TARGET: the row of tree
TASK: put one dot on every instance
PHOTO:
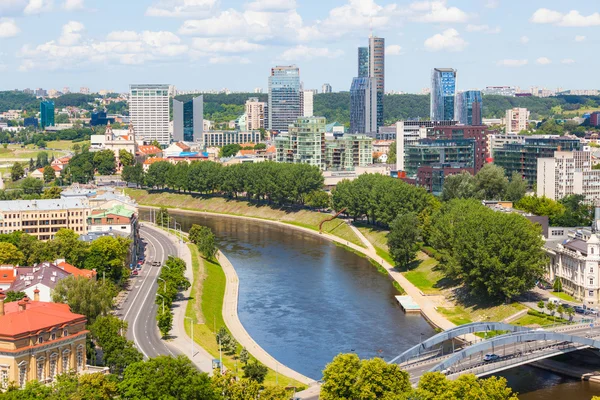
(490, 183)
(570, 211)
(171, 281)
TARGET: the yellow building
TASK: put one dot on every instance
(39, 340)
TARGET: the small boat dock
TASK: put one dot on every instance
(408, 305)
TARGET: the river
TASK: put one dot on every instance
(305, 300)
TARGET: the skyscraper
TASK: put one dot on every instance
(468, 107)
(255, 114)
(284, 97)
(47, 113)
(149, 111)
(307, 100)
(326, 88)
(377, 71)
(363, 62)
(443, 93)
(188, 120)
(363, 105)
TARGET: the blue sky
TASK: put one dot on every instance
(215, 44)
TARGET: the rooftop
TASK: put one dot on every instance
(37, 316)
(44, 205)
(45, 273)
(116, 210)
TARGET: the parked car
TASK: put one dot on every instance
(490, 357)
(135, 272)
(591, 311)
(579, 310)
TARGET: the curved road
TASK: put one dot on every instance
(139, 309)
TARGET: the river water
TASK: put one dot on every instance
(305, 300)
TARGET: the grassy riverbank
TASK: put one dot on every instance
(205, 308)
(303, 218)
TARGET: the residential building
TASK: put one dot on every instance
(363, 62)
(118, 218)
(443, 93)
(74, 271)
(256, 112)
(39, 92)
(522, 157)
(39, 341)
(377, 71)
(348, 152)
(47, 113)
(149, 111)
(363, 105)
(306, 100)
(595, 118)
(516, 120)
(407, 132)
(498, 140)
(304, 143)
(284, 97)
(469, 106)
(84, 90)
(39, 173)
(148, 162)
(335, 129)
(188, 119)
(43, 218)
(500, 91)
(223, 138)
(326, 88)
(8, 274)
(42, 277)
(149, 151)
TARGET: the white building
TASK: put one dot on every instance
(498, 140)
(306, 102)
(256, 112)
(223, 138)
(408, 132)
(516, 120)
(149, 111)
(326, 88)
(115, 141)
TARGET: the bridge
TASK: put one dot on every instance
(518, 346)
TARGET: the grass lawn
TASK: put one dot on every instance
(461, 315)
(426, 276)
(533, 321)
(63, 144)
(303, 218)
(564, 296)
(378, 238)
(205, 307)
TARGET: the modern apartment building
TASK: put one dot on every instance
(304, 143)
(595, 118)
(408, 132)
(377, 71)
(188, 120)
(348, 152)
(516, 120)
(223, 138)
(500, 91)
(498, 140)
(47, 113)
(443, 94)
(363, 62)
(469, 105)
(363, 105)
(256, 112)
(522, 157)
(43, 218)
(149, 112)
(307, 102)
(326, 88)
(284, 97)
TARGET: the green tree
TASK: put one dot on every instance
(133, 174)
(459, 186)
(490, 182)
(156, 144)
(109, 332)
(49, 174)
(85, 296)
(570, 313)
(560, 310)
(165, 321)
(32, 186)
(52, 193)
(542, 206)
(403, 239)
(557, 286)
(17, 171)
(14, 296)
(377, 379)
(577, 212)
(31, 164)
(107, 255)
(162, 217)
(392, 153)
(255, 371)
(517, 188)
(104, 162)
(244, 356)
(339, 377)
(68, 246)
(204, 239)
(551, 307)
(42, 159)
(318, 199)
(126, 158)
(9, 254)
(541, 305)
(229, 150)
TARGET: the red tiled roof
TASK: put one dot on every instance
(271, 149)
(149, 150)
(183, 146)
(37, 316)
(7, 274)
(247, 152)
(73, 270)
(154, 159)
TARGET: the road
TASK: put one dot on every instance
(139, 308)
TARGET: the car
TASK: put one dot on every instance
(135, 272)
(490, 357)
(591, 311)
(579, 310)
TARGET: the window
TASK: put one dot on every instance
(40, 340)
(41, 363)
(79, 359)
(4, 377)
(65, 333)
(53, 336)
(591, 281)
(53, 361)
(22, 374)
(65, 361)
(591, 293)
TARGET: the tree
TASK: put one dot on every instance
(542, 206)
(14, 296)
(31, 164)
(339, 377)
(377, 379)
(42, 159)
(557, 286)
(551, 307)
(541, 305)
(318, 199)
(32, 186)
(392, 153)
(109, 332)
(255, 371)
(560, 310)
(459, 186)
(68, 246)
(570, 312)
(85, 296)
(244, 356)
(490, 182)
(229, 150)
(133, 174)
(49, 174)
(126, 158)
(162, 217)
(165, 321)
(403, 239)
(107, 256)
(17, 172)
(517, 188)
(104, 162)
(156, 144)
(9, 254)
(577, 212)
(204, 239)
(166, 377)
(52, 193)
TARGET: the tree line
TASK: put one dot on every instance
(171, 281)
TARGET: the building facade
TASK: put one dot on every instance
(443, 94)
(284, 97)
(326, 88)
(348, 152)
(256, 112)
(304, 143)
(595, 118)
(377, 71)
(307, 103)
(363, 62)
(363, 105)
(223, 138)
(188, 120)
(516, 120)
(149, 112)
(47, 113)
(469, 105)
(408, 132)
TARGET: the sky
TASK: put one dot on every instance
(217, 44)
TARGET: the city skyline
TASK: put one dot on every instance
(233, 44)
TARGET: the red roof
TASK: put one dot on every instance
(7, 274)
(183, 146)
(36, 317)
(73, 270)
(154, 159)
(149, 150)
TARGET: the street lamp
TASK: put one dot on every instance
(192, 325)
(161, 279)
(180, 235)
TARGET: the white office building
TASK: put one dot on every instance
(307, 101)
(516, 120)
(223, 138)
(149, 112)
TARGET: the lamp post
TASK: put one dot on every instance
(180, 235)
(161, 279)
(192, 325)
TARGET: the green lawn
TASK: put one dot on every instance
(533, 321)
(378, 238)
(564, 296)
(478, 313)
(426, 276)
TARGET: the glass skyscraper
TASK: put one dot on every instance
(443, 93)
(377, 71)
(47, 113)
(363, 105)
(284, 97)
(363, 62)
(188, 120)
(468, 107)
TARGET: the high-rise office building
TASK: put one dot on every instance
(149, 112)
(326, 88)
(47, 113)
(363, 62)
(255, 114)
(377, 71)
(363, 105)
(443, 94)
(307, 103)
(284, 97)
(468, 107)
(188, 120)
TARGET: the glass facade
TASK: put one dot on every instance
(304, 143)
(188, 120)
(348, 152)
(429, 152)
(443, 93)
(377, 71)
(47, 113)
(284, 97)
(363, 62)
(468, 107)
(363, 105)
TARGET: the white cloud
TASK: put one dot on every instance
(492, 3)
(567, 61)
(437, 11)
(482, 28)
(579, 38)
(73, 5)
(181, 8)
(8, 28)
(449, 40)
(71, 33)
(543, 61)
(123, 36)
(226, 46)
(305, 53)
(393, 50)
(272, 5)
(524, 39)
(38, 6)
(228, 60)
(572, 18)
(512, 63)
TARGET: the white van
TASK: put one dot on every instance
(554, 300)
